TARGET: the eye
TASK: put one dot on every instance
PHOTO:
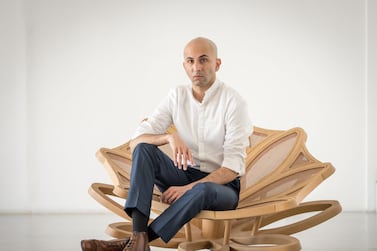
(189, 61)
(203, 60)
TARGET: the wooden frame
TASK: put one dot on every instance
(280, 173)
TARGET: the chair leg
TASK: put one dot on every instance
(256, 225)
(188, 233)
(228, 226)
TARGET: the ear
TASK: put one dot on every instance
(218, 63)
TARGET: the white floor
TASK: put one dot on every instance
(55, 232)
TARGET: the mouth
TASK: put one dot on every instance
(197, 76)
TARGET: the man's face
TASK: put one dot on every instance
(200, 63)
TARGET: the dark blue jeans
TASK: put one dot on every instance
(150, 166)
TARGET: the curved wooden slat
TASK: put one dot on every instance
(266, 242)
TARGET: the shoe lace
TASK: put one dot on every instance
(116, 245)
(130, 243)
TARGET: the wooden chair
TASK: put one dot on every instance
(280, 173)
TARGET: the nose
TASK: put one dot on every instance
(196, 67)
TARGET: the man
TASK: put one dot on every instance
(213, 127)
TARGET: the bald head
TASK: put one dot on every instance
(204, 43)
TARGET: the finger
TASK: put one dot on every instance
(165, 199)
(164, 196)
(174, 197)
(161, 199)
(175, 154)
(185, 162)
(191, 159)
(168, 195)
(179, 159)
(170, 200)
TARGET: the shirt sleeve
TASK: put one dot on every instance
(238, 129)
(161, 118)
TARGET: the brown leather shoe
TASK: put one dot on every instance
(99, 245)
(138, 242)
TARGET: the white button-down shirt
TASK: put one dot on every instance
(215, 130)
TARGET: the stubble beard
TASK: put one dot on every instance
(203, 82)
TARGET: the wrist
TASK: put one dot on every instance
(168, 138)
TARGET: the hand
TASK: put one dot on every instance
(173, 193)
(181, 153)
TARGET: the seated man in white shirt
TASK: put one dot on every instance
(209, 146)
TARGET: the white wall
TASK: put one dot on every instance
(372, 104)
(14, 181)
(96, 68)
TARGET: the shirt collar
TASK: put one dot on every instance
(212, 90)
